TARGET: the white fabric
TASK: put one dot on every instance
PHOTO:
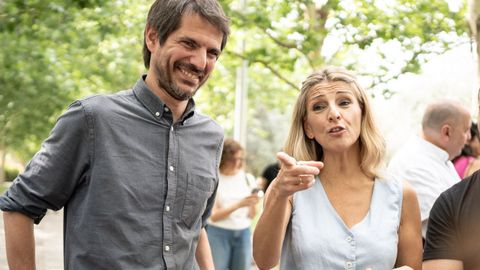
(427, 168)
(231, 189)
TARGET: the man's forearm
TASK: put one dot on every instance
(19, 241)
(203, 254)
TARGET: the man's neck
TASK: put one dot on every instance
(177, 107)
(435, 140)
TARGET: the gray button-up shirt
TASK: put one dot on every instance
(136, 187)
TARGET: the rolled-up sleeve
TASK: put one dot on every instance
(54, 172)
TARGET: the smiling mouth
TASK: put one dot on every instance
(191, 76)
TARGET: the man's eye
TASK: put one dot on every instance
(214, 54)
(188, 44)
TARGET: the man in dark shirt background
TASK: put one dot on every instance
(453, 234)
(135, 171)
(269, 174)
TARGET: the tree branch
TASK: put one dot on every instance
(266, 65)
(381, 79)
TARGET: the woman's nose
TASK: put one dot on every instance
(334, 115)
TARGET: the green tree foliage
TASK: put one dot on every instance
(285, 40)
(52, 52)
(285, 36)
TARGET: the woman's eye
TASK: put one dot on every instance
(318, 107)
(345, 102)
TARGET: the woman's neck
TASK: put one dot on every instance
(344, 166)
(230, 172)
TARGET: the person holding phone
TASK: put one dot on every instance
(330, 206)
(234, 208)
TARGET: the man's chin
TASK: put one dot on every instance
(185, 94)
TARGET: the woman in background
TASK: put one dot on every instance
(229, 225)
(467, 163)
(329, 207)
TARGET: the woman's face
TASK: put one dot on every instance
(235, 163)
(475, 145)
(333, 116)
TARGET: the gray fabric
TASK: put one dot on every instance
(317, 238)
(116, 164)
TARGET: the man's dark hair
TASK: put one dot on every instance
(165, 17)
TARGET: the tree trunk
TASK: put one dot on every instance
(3, 155)
(474, 26)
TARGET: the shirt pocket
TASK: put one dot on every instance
(199, 190)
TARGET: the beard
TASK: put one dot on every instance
(166, 83)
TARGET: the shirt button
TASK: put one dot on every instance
(171, 128)
(171, 168)
(166, 109)
(349, 239)
(157, 114)
(167, 208)
(348, 265)
(167, 248)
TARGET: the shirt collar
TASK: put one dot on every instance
(433, 149)
(155, 105)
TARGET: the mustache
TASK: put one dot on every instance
(191, 68)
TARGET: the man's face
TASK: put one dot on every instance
(460, 135)
(186, 59)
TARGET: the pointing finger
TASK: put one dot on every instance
(286, 160)
(317, 164)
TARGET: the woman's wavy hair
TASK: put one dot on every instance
(372, 143)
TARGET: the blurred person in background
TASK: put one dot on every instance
(453, 232)
(424, 160)
(235, 206)
(329, 207)
(467, 163)
(268, 174)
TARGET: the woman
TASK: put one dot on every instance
(467, 163)
(229, 225)
(347, 217)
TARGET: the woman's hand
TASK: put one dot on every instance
(249, 201)
(295, 176)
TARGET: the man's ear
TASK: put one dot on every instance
(151, 38)
(308, 130)
(446, 131)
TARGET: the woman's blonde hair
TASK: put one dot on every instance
(372, 144)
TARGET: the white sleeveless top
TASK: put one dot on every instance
(317, 238)
(231, 189)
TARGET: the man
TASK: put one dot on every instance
(268, 174)
(136, 171)
(425, 161)
(452, 237)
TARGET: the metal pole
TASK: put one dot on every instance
(241, 97)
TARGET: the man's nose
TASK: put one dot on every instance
(199, 59)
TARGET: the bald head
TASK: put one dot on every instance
(443, 112)
(446, 123)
